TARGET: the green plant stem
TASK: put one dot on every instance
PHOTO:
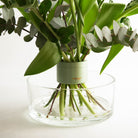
(76, 105)
(79, 85)
(55, 93)
(80, 26)
(73, 99)
(65, 95)
(65, 57)
(53, 98)
(70, 52)
(62, 102)
(76, 28)
(92, 98)
(80, 100)
(85, 55)
(71, 104)
(84, 100)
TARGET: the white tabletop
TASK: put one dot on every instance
(15, 122)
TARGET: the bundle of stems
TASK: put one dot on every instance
(74, 89)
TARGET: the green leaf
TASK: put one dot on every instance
(2, 25)
(48, 56)
(45, 7)
(9, 26)
(130, 11)
(99, 49)
(115, 49)
(85, 5)
(100, 2)
(64, 33)
(19, 3)
(20, 25)
(28, 38)
(60, 9)
(108, 13)
(90, 18)
(93, 43)
(41, 27)
(40, 41)
(33, 30)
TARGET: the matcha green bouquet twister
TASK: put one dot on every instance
(67, 31)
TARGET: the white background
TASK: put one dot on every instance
(16, 55)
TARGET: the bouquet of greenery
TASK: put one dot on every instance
(66, 31)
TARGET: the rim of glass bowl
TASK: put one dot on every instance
(94, 87)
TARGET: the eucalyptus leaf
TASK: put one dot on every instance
(19, 3)
(93, 44)
(99, 49)
(10, 26)
(28, 38)
(135, 46)
(52, 12)
(33, 30)
(45, 7)
(57, 22)
(91, 41)
(2, 25)
(65, 33)
(72, 44)
(115, 49)
(59, 10)
(98, 32)
(20, 25)
(40, 41)
(133, 35)
(48, 56)
(116, 28)
(7, 13)
(107, 34)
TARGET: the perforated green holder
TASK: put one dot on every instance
(72, 72)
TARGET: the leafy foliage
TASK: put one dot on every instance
(57, 28)
(48, 56)
(115, 49)
(19, 3)
(108, 13)
(107, 37)
(45, 7)
(20, 25)
(64, 34)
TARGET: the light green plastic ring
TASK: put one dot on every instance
(72, 72)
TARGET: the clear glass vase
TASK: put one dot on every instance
(98, 94)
